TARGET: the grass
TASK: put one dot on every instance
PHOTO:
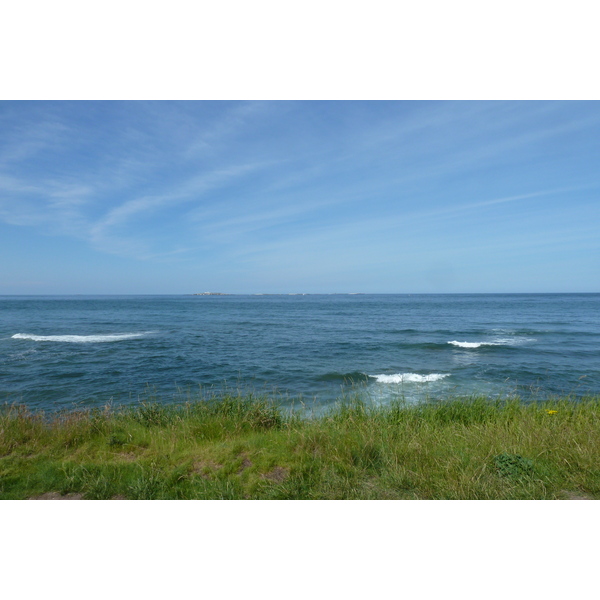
(245, 447)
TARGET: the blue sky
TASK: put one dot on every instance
(257, 197)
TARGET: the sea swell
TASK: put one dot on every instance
(79, 339)
(353, 377)
(473, 344)
(409, 377)
(495, 342)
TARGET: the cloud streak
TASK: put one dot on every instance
(249, 184)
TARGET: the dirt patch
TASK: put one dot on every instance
(575, 495)
(206, 468)
(278, 474)
(246, 464)
(57, 496)
(127, 456)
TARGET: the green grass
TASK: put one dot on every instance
(245, 447)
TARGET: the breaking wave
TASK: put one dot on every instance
(473, 344)
(355, 376)
(409, 377)
(79, 339)
(496, 342)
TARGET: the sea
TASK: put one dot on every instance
(305, 351)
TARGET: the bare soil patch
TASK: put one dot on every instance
(57, 496)
(127, 456)
(246, 464)
(206, 468)
(576, 496)
(278, 474)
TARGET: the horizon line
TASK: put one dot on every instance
(218, 294)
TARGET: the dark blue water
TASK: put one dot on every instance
(56, 352)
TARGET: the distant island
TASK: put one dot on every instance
(288, 294)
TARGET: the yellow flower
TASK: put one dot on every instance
(551, 412)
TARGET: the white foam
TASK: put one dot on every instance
(496, 342)
(514, 341)
(473, 344)
(78, 339)
(409, 377)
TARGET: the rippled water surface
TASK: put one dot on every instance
(59, 351)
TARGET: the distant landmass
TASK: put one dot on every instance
(289, 294)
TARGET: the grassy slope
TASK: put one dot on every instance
(237, 448)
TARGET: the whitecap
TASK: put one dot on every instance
(514, 341)
(409, 377)
(473, 344)
(496, 342)
(79, 339)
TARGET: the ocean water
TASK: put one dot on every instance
(60, 352)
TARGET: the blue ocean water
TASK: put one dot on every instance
(59, 352)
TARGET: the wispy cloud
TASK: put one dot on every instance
(85, 202)
(104, 230)
(225, 129)
(30, 139)
(364, 237)
(250, 184)
(12, 185)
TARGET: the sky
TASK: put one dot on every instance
(178, 197)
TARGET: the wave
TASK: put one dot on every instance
(79, 339)
(409, 377)
(355, 376)
(473, 344)
(514, 341)
(496, 342)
